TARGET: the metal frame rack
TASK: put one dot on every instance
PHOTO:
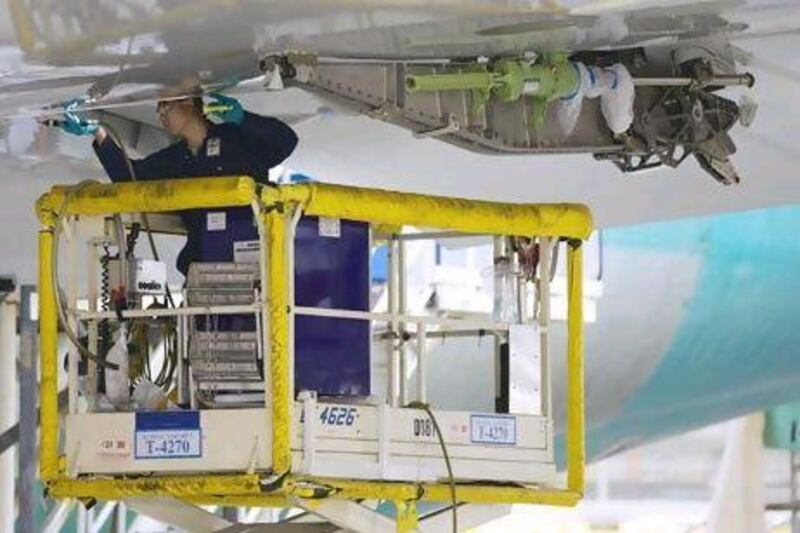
(282, 478)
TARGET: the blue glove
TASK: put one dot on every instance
(233, 112)
(75, 125)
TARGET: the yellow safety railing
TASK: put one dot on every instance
(276, 205)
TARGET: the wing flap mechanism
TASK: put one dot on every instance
(637, 108)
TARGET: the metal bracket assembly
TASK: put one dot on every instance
(511, 105)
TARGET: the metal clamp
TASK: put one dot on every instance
(452, 127)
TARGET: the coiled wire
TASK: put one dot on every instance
(169, 364)
(167, 371)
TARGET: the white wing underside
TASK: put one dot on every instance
(135, 49)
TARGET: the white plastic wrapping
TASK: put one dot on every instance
(569, 109)
(117, 389)
(616, 103)
(148, 395)
(614, 87)
(505, 293)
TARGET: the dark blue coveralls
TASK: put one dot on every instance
(249, 149)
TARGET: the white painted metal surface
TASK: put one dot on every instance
(543, 319)
(422, 351)
(228, 441)
(175, 512)
(8, 407)
(55, 519)
(524, 370)
(738, 503)
(346, 442)
(481, 446)
(349, 515)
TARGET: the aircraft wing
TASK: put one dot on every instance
(126, 54)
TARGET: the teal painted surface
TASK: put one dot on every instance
(688, 235)
(737, 349)
(782, 427)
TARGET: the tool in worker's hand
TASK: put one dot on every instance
(226, 108)
(216, 109)
(71, 122)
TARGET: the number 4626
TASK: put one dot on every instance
(338, 416)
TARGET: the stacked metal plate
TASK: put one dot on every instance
(224, 348)
(226, 368)
(225, 356)
(222, 283)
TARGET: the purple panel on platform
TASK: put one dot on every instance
(223, 227)
(332, 356)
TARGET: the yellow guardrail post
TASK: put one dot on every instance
(48, 344)
(407, 518)
(279, 336)
(575, 383)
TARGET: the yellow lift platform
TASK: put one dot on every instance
(286, 455)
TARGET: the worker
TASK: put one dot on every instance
(242, 144)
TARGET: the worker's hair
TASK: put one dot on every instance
(197, 104)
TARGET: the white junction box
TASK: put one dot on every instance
(145, 276)
(329, 439)
(148, 277)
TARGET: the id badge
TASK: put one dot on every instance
(213, 147)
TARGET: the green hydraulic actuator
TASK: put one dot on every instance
(508, 80)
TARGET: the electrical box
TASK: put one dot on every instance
(145, 276)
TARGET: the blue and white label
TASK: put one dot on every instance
(168, 435)
(488, 429)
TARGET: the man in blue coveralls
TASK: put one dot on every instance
(242, 144)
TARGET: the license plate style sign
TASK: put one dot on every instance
(338, 416)
(168, 435)
(487, 429)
